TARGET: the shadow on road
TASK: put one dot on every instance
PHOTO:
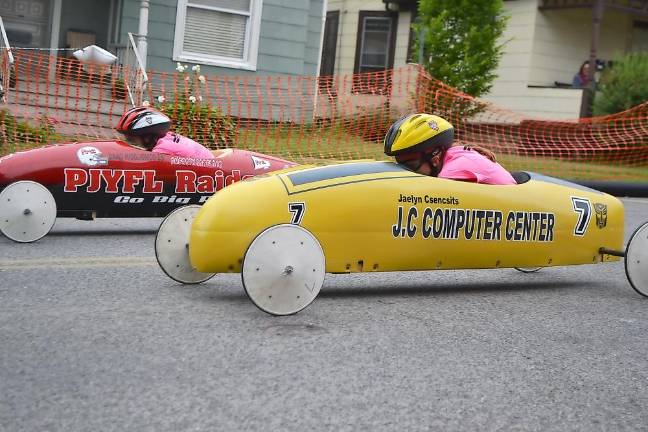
(436, 289)
(96, 233)
(216, 290)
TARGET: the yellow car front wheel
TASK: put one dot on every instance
(283, 269)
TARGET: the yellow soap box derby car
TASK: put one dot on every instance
(283, 231)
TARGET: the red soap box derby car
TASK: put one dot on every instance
(111, 179)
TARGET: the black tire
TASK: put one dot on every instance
(633, 284)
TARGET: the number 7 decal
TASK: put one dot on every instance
(582, 207)
(297, 209)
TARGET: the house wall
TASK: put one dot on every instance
(511, 87)
(402, 38)
(289, 37)
(545, 47)
(27, 24)
(348, 32)
(562, 42)
(639, 39)
(85, 16)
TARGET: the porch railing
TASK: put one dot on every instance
(6, 62)
(133, 72)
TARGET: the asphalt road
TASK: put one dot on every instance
(94, 337)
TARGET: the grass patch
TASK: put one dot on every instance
(316, 146)
(574, 170)
(327, 146)
(16, 135)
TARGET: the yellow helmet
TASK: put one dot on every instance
(418, 133)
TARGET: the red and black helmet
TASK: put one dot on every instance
(140, 121)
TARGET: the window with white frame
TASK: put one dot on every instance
(218, 32)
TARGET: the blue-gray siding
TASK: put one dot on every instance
(289, 42)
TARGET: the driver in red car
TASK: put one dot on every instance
(149, 128)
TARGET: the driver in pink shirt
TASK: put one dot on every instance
(424, 143)
(149, 129)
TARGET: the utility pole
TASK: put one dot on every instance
(142, 31)
(588, 92)
(422, 32)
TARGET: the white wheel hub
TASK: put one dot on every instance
(636, 260)
(283, 269)
(172, 246)
(27, 211)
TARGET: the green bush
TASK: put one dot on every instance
(202, 123)
(194, 118)
(118, 90)
(15, 134)
(623, 86)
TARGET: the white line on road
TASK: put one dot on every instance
(79, 262)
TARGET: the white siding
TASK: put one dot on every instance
(541, 47)
(510, 88)
(348, 32)
(402, 38)
(562, 42)
(548, 46)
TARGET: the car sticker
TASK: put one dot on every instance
(260, 163)
(473, 224)
(91, 156)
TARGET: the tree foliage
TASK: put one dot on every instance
(461, 42)
(623, 85)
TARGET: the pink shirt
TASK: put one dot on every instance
(177, 145)
(469, 165)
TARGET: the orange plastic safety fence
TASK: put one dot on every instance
(308, 119)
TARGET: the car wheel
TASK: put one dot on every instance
(283, 269)
(172, 246)
(636, 260)
(27, 211)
